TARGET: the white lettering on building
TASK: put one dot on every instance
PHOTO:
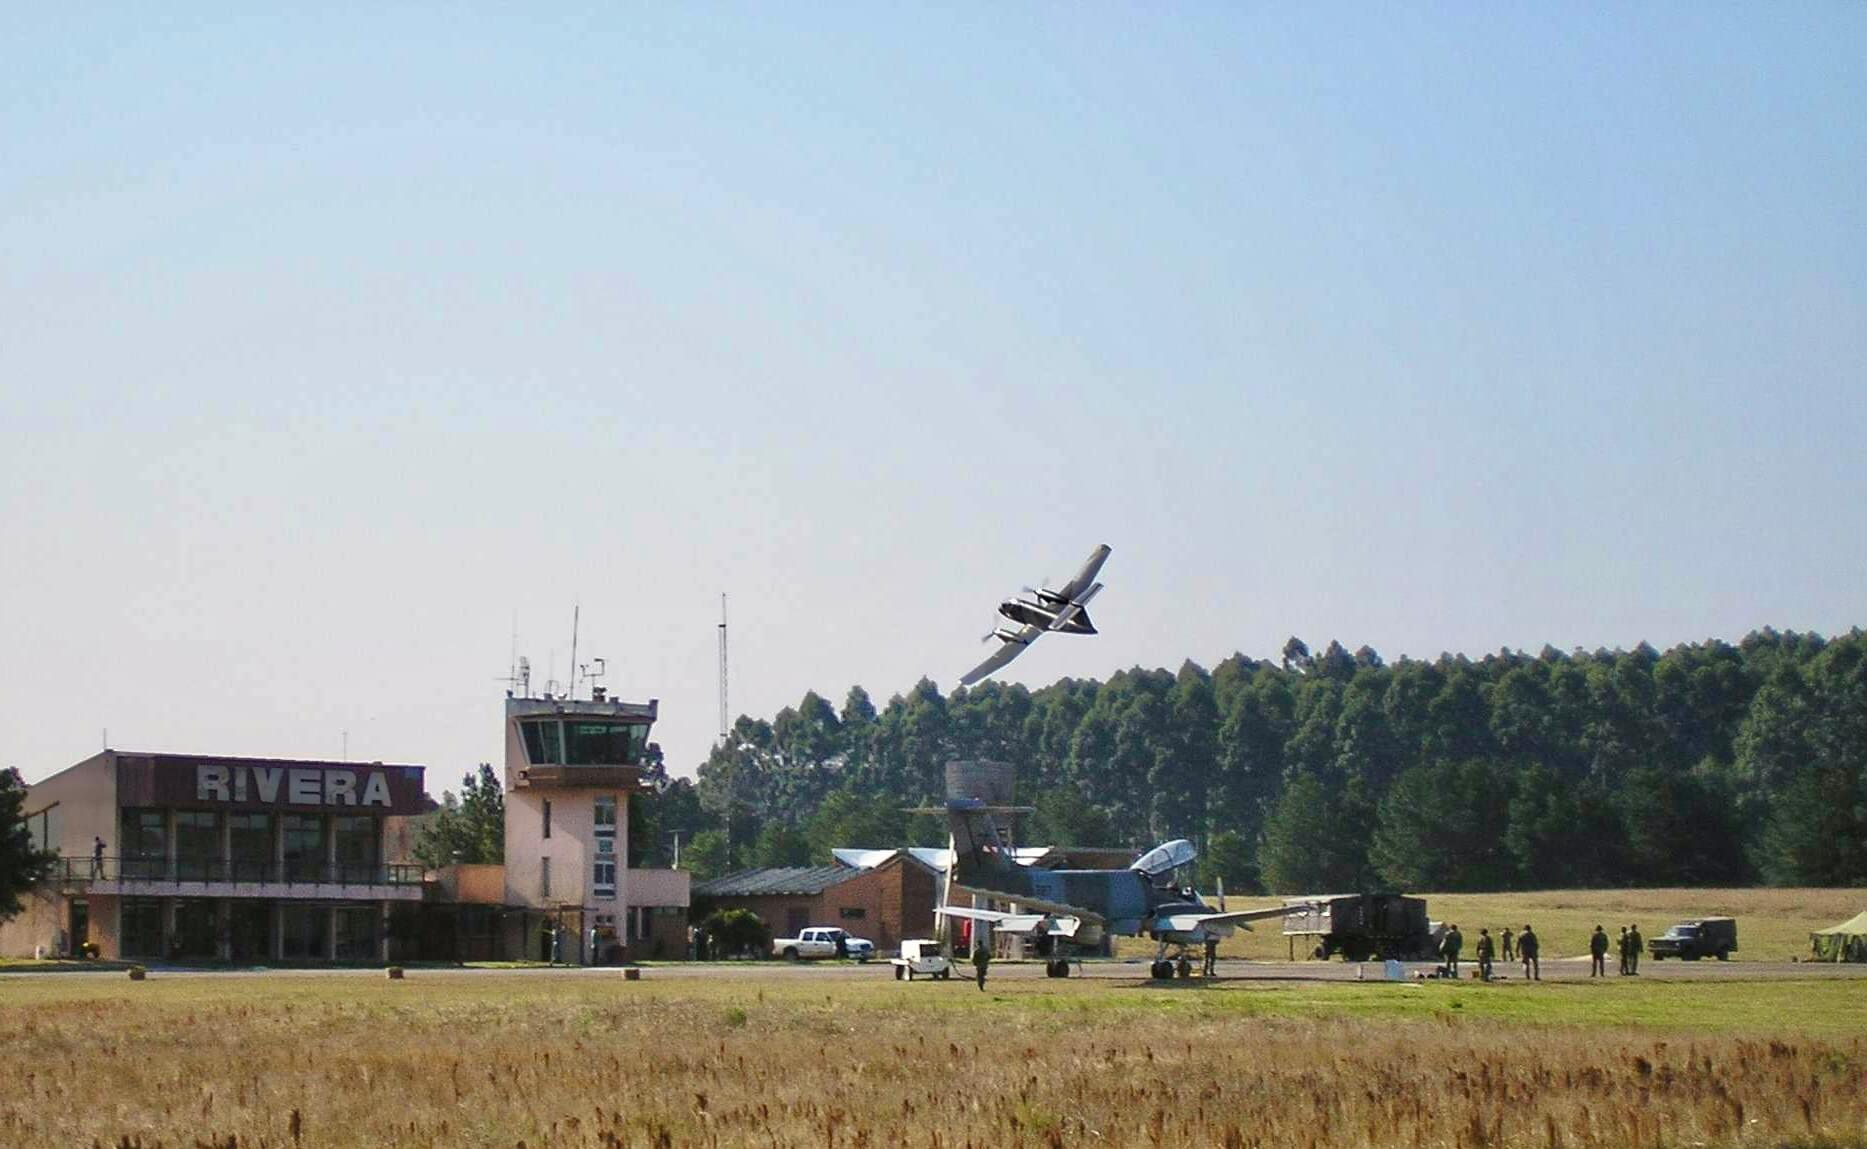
(340, 788)
(376, 790)
(300, 787)
(305, 788)
(210, 783)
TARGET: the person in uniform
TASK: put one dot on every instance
(1634, 945)
(1527, 949)
(1510, 951)
(1598, 952)
(981, 961)
(1486, 950)
(1455, 941)
(1211, 968)
(1621, 948)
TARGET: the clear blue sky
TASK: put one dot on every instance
(333, 343)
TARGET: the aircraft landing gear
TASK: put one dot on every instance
(1057, 967)
(1161, 970)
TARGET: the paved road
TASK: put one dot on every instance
(1129, 972)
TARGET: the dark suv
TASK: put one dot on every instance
(1705, 937)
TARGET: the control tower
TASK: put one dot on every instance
(571, 767)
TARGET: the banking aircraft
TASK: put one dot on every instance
(1061, 610)
(1078, 907)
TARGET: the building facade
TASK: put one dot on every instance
(193, 857)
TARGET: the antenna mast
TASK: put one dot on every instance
(723, 729)
(575, 613)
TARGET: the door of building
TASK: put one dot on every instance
(80, 925)
(195, 926)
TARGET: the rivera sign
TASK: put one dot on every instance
(295, 786)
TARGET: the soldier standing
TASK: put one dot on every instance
(1211, 968)
(1485, 953)
(1598, 952)
(981, 961)
(1455, 941)
(1634, 944)
(1623, 950)
(1510, 952)
(1527, 947)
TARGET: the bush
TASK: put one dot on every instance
(736, 932)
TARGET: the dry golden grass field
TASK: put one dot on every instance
(556, 1061)
(1773, 924)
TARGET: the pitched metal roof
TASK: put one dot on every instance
(804, 880)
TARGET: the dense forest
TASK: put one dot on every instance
(1711, 763)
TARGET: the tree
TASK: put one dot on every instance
(22, 865)
(1315, 839)
(732, 932)
(705, 855)
(1439, 828)
(780, 844)
(469, 829)
(1065, 818)
(1229, 858)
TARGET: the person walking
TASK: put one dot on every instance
(1510, 951)
(1634, 945)
(981, 961)
(1598, 952)
(97, 858)
(1486, 950)
(1527, 948)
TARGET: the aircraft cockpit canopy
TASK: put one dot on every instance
(1165, 858)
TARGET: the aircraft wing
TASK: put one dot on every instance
(1072, 590)
(1072, 609)
(1008, 649)
(1235, 918)
(1016, 923)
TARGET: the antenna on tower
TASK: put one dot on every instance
(722, 668)
(575, 614)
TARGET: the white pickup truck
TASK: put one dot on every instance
(822, 942)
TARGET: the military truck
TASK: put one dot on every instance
(1702, 937)
(1362, 926)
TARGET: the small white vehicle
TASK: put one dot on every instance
(823, 942)
(922, 957)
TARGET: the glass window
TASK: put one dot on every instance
(541, 741)
(145, 845)
(197, 845)
(606, 811)
(249, 840)
(852, 913)
(544, 877)
(604, 743)
(547, 814)
(305, 931)
(304, 847)
(603, 877)
(355, 838)
(142, 927)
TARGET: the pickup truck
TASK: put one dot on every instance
(822, 942)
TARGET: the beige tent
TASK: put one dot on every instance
(1845, 942)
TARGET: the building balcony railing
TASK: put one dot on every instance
(182, 871)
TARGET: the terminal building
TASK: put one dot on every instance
(185, 857)
(194, 857)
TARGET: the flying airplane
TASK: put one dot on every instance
(1061, 610)
(1079, 907)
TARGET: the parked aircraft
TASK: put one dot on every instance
(1044, 611)
(1077, 908)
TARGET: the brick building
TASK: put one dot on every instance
(887, 901)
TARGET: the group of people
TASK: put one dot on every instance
(1630, 945)
(1517, 947)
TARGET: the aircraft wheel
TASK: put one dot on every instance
(1724, 955)
(1160, 970)
(1184, 969)
(900, 971)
